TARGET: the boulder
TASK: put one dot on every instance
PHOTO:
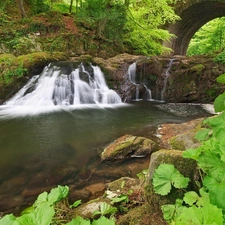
(180, 136)
(128, 146)
(186, 167)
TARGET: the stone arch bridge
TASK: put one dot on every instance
(194, 14)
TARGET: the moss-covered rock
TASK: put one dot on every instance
(15, 71)
(141, 215)
(187, 167)
(128, 146)
(198, 68)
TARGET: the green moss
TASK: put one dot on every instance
(197, 68)
(177, 144)
(6, 58)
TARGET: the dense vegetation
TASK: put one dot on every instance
(209, 38)
(132, 25)
(206, 206)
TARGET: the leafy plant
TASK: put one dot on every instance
(105, 209)
(208, 207)
(166, 176)
(41, 212)
(76, 204)
(193, 209)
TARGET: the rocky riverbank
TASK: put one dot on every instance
(176, 79)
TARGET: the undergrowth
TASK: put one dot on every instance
(207, 205)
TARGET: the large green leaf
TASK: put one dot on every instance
(221, 79)
(42, 215)
(216, 187)
(56, 194)
(103, 220)
(43, 197)
(8, 220)
(191, 197)
(167, 175)
(219, 103)
(79, 221)
(203, 134)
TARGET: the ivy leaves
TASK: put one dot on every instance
(166, 176)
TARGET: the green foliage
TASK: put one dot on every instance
(42, 211)
(208, 38)
(208, 207)
(193, 209)
(79, 221)
(166, 176)
(105, 209)
(220, 58)
(210, 156)
(9, 74)
(75, 204)
(38, 6)
(142, 31)
(106, 18)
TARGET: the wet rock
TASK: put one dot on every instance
(78, 194)
(179, 136)
(32, 193)
(187, 167)
(10, 203)
(124, 184)
(128, 146)
(14, 185)
(96, 189)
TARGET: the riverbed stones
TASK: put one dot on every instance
(186, 167)
(128, 146)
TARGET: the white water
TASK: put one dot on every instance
(56, 90)
(132, 76)
(166, 74)
(52, 87)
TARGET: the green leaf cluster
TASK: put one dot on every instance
(166, 176)
(207, 207)
(208, 38)
(193, 209)
(42, 212)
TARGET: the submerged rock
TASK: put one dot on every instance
(128, 146)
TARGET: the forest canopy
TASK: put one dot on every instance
(209, 38)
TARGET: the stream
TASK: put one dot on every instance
(53, 131)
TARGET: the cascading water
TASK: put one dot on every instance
(166, 74)
(54, 87)
(132, 76)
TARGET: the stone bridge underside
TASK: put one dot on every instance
(194, 14)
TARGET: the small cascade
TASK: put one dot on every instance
(132, 76)
(166, 74)
(66, 85)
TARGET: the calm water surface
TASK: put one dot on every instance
(79, 131)
(34, 141)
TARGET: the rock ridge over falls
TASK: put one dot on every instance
(171, 79)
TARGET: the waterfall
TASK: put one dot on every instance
(166, 74)
(66, 85)
(132, 77)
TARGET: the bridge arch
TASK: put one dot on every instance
(194, 14)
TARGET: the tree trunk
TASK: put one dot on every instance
(22, 10)
(71, 6)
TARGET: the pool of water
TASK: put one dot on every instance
(33, 141)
